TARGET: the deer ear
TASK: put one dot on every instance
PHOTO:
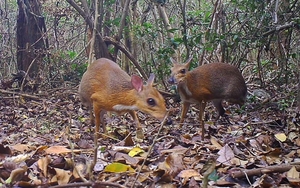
(173, 61)
(137, 83)
(188, 62)
(151, 79)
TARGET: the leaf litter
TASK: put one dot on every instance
(49, 142)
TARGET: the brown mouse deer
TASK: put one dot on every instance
(210, 82)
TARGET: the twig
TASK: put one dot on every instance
(21, 94)
(151, 147)
(26, 74)
(279, 28)
(259, 171)
(248, 179)
(89, 184)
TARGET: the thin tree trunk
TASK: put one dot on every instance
(100, 47)
(123, 23)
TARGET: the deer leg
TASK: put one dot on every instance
(98, 118)
(221, 112)
(185, 108)
(139, 130)
(201, 117)
(92, 119)
(218, 104)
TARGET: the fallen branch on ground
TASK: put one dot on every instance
(21, 94)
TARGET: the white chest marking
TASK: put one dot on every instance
(186, 95)
(120, 107)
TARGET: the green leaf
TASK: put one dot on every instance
(172, 30)
(213, 176)
(72, 54)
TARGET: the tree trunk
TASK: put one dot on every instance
(30, 41)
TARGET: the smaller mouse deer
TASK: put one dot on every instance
(210, 82)
(106, 87)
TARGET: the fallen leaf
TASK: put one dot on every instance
(143, 176)
(57, 150)
(135, 151)
(22, 147)
(19, 158)
(225, 155)
(193, 183)
(280, 137)
(188, 173)
(169, 168)
(293, 135)
(79, 170)
(43, 164)
(118, 168)
(215, 143)
(62, 176)
(128, 141)
(293, 173)
(16, 175)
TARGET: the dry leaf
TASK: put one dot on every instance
(22, 147)
(19, 158)
(215, 143)
(226, 154)
(57, 150)
(43, 164)
(293, 173)
(62, 176)
(293, 135)
(188, 173)
(143, 176)
(170, 168)
(79, 170)
(16, 175)
(280, 137)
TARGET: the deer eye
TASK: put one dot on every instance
(182, 71)
(151, 102)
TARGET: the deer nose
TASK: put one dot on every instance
(171, 80)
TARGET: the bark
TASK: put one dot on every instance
(30, 42)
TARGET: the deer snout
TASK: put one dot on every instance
(172, 80)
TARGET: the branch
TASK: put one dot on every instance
(90, 184)
(279, 28)
(81, 12)
(21, 94)
(259, 171)
(127, 53)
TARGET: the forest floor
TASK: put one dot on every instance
(47, 140)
